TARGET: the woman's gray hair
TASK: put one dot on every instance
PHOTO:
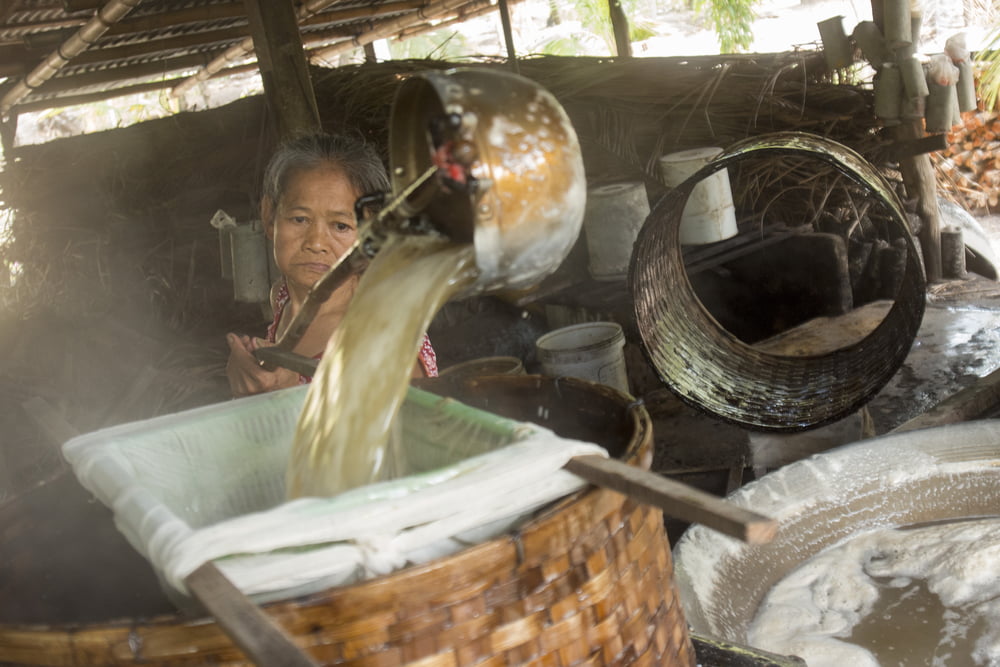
(359, 161)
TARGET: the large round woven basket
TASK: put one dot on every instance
(713, 370)
(587, 582)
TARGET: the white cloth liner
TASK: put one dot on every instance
(208, 484)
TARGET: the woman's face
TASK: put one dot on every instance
(312, 225)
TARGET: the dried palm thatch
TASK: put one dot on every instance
(628, 112)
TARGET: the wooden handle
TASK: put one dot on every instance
(674, 498)
(251, 629)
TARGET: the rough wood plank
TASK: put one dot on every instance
(674, 498)
(974, 402)
(909, 147)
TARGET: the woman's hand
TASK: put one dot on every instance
(246, 377)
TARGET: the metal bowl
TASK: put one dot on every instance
(523, 193)
(938, 474)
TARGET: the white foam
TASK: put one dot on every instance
(820, 602)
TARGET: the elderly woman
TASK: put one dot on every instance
(307, 207)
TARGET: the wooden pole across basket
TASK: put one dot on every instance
(674, 498)
(253, 631)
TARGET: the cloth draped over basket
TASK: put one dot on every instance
(208, 484)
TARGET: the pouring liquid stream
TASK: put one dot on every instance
(342, 438)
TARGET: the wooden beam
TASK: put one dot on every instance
(215, 40)
(619, 24)
(675, 498)
(339, 15)
(22, 30)
(283, 66)
(166, 21)
(928, 144)
(508, 35)
(108, 15)
(81, 82)
(89, 98)
(81, 5)
(163, 83)
(472, 10)
(921, 183)
(389, 27)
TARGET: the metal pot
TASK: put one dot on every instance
(510, 172)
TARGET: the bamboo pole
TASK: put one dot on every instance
(151, 47)
(619, 24)
(388, 28)
(508, 35)
(473, 10)
(470, 11)
(178, 18)
(244, 49)
(108, 15)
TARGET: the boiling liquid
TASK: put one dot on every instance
(342, 439)
(918, 596)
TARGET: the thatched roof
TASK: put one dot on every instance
(54, 53)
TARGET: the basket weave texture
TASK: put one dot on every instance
(712, 370)
(588, 582)
(591, 584)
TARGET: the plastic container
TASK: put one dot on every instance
(888, 94)
(249, 263)
(614, 215)
(837, 48)
(591, 351)
(898, 23)
(708, 213)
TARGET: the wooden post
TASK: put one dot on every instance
(919, 179)
(619, 24)
(370, 56)
(283, 66)
(508, 36)
(8, 134)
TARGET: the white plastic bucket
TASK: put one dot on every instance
(708, 213)
(612, 219)
(591, 351)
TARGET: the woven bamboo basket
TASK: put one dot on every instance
(587, 582)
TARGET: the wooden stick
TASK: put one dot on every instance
(253, 631)
(714, 651)
(976, 401)
(674, 498)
